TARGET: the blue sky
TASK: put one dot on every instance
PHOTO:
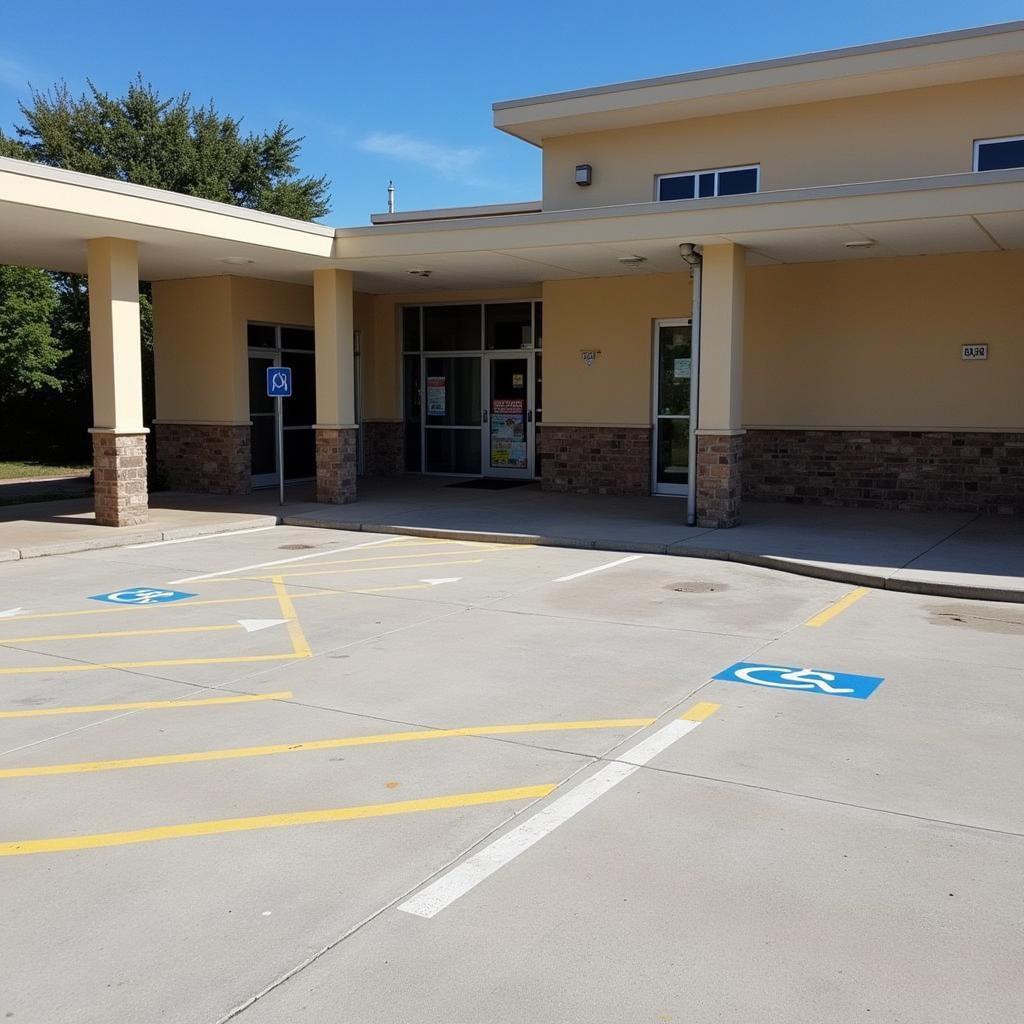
(401, 90)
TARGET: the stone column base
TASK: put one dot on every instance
(719, 463)
(335, 465)
(204, 458)
(119, 478)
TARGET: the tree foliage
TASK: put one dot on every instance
(30, 355)
(167, 143)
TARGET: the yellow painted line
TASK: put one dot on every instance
(342, 572)
(699, 712)
(147, 705)
(840, 606)
(222, 825)
(299, 644)
(117, 632)
(167, 663)
(232, 753)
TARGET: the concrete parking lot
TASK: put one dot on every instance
(292, 774)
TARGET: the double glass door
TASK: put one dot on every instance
(478, 414)
(673, 393)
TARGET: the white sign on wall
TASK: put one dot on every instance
(974, 352)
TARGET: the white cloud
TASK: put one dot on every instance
(453, 163)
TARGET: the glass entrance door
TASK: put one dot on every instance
(508, 415)
(672, 390)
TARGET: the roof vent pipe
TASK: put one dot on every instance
(391, 197)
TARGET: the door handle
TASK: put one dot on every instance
(529, 416)
(483, 415)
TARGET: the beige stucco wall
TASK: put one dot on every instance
(382, 375)
(200, 344)
(906, 134)
(876, 343)
(616, 316)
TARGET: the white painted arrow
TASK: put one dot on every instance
(254, 625)
(442, 579)
(10, 611)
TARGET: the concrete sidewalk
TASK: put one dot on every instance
(943, 553)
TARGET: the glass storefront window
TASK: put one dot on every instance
(451, 328)
(508, 325)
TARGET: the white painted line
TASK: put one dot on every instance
(442, 579)
(204, 536)
(597, 568)
(448, 888)
(10, 611)
(285, 561)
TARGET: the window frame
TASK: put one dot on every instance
(716, 171)
(978, 143)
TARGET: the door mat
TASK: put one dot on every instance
(486, 483)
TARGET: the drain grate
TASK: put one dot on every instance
(697, 587)
(295, 547)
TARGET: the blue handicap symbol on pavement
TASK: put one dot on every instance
(279, 381)
(783, 677)
(141, 595)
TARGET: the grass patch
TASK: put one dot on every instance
(20, 470)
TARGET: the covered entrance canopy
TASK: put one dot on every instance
(223, 266)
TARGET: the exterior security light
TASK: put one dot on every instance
(690, 253)
(583, 174)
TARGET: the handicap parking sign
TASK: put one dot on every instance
(279, 382)
(141, 596)
(783, 677)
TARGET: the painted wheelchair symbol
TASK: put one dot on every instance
(141, 596)
(791, 679)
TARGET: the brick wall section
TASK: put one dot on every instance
(720, 467)
(204, 458)
(910, 470)
(595, 460)
(119, 474)
(383, 448)
(336, 465)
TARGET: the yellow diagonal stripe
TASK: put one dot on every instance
(232, 753)
(166, 663)
(840, 606)
(298, 637)
(219, 826)
(146, 705)
(705, 709)
(116, 632)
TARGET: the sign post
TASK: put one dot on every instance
(279, 387)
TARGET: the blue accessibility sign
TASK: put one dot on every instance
(279, 381)
(141, 595)
(784, 677)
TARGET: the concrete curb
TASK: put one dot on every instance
(72, 547)
(836, 574)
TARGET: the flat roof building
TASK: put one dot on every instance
(796, 280)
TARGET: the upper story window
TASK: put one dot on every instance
(999, 154)
(725, 181)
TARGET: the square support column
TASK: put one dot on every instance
(118, 435)
(720, 410)
(336, 449)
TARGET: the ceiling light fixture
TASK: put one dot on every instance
(420, 272)
(861, 243)
(632, 261)
(237, 261)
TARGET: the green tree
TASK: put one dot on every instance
(167, 143)
(30, 355)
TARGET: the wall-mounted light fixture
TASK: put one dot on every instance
(584, 173)
(588, 355)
